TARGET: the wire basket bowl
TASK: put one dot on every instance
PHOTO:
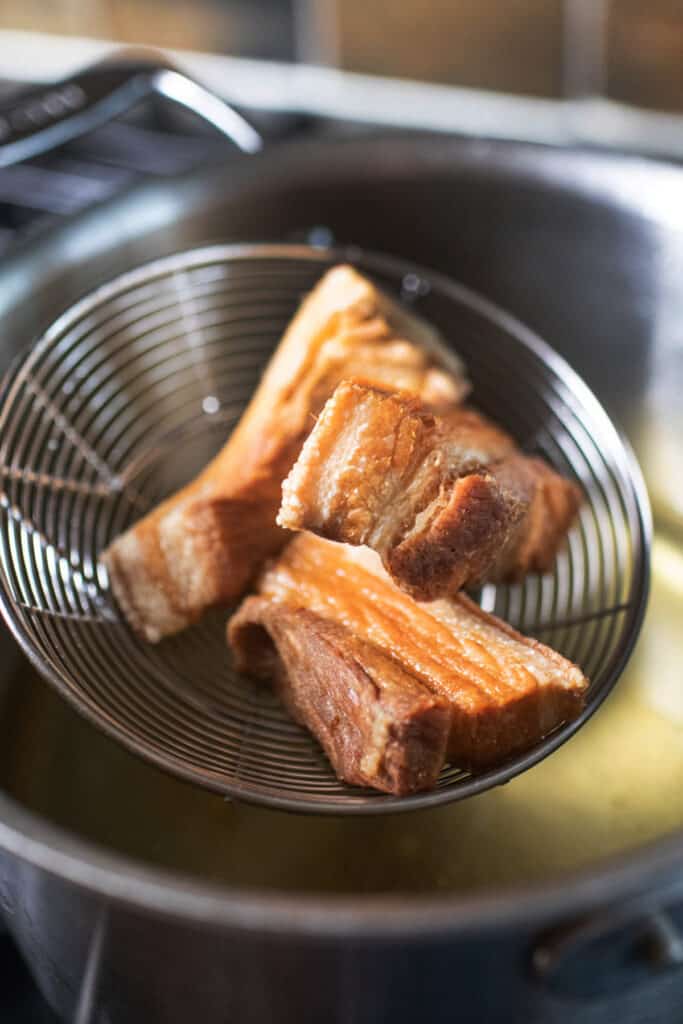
(133, 389)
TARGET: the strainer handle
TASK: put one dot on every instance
(55, 114)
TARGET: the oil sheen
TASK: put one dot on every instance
(615, 785)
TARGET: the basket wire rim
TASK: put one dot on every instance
(576, 394)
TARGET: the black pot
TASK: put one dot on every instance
(583, 249)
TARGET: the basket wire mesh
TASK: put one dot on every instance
(131, 391)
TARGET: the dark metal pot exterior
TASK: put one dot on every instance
(578, 246)
(97, 961)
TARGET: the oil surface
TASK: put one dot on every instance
(615, 785)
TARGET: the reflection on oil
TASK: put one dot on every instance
(617, 784)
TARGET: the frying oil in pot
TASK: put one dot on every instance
(615, 785)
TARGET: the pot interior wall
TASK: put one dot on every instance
(571, 253)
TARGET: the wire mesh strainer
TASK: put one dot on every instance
(128, 395)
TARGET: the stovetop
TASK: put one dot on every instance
(153, 139)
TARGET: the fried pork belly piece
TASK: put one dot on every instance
(358, 661)
(447, 500)
(202, 546)
(377, 723)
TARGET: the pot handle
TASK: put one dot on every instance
(52, 115)
(616, 950)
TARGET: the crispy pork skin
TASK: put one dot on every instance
(201, 546)
(447, 500)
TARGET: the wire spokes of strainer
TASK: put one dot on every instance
(133, 389)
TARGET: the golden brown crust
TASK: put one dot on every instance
(446, 500)
(505, 691)
(461, 542)
(203, 545)
(378, 725)
(553, 504)
(530, 715)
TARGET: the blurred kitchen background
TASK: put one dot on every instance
(630, 51)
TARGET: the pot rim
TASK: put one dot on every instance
(127, 882)
(124, 881)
